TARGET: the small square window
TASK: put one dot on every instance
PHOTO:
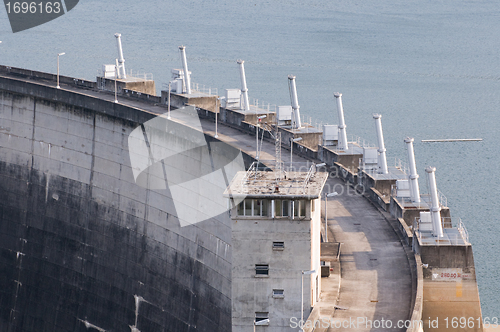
(278, 293)
(262, 318)
(262, 269)
(278, 245)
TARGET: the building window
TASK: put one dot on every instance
(261, 316)
(286, 208)
(299, 208)
(261, 269)
(278, 245)
(240, 208)
(253, 208)
(248, 207)
(282, 208)
(264, 204)
(277, 208)
(278, 293)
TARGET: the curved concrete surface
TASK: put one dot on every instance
(82, 246)
(376, 279)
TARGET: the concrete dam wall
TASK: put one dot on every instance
(82, 247)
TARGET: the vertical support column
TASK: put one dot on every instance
(296, 124)
(413, 177)
(121, 60)
(382, 158)
(244, 90)
(435, 208)
(187, 78)
(342, 143)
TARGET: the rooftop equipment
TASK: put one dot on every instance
(330, 134)
(284, 115)
(370, 159)
(403, 188)
(121, 60)
(413, 176)
(109, 71)
(244, 91)
(342, 143)
(382, 158)
(296, 124)
(187, 78)
(177, 82)
(233, 98)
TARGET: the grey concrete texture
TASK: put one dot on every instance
(376, 278)
(79, 240)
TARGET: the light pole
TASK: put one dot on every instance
(326, 212)
(58, 55)
(217, 109)
(291, 149)
(259, 118)
(116, 78)
(169, 89)
(302, 294)
(260, 322)
(319, 165)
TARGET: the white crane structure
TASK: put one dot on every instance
(342, 141)
(382, 158)
(121, 61)
(187, 78)
(435, 209)
(413, 176)
(244, 90)
(296, 124)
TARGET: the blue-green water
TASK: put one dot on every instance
(429, 67)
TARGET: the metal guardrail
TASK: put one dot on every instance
(251, 170)
(252, 178)
(256, 104)
(141, 75)
(446, 223)
(463, 231)
(424, 198)
(204, 89)
(311, 172)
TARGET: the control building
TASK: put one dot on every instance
(276, 244)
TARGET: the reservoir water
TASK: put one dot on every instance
(431, 68)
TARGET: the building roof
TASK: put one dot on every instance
(291, 185)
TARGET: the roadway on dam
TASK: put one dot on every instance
(375, 274)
